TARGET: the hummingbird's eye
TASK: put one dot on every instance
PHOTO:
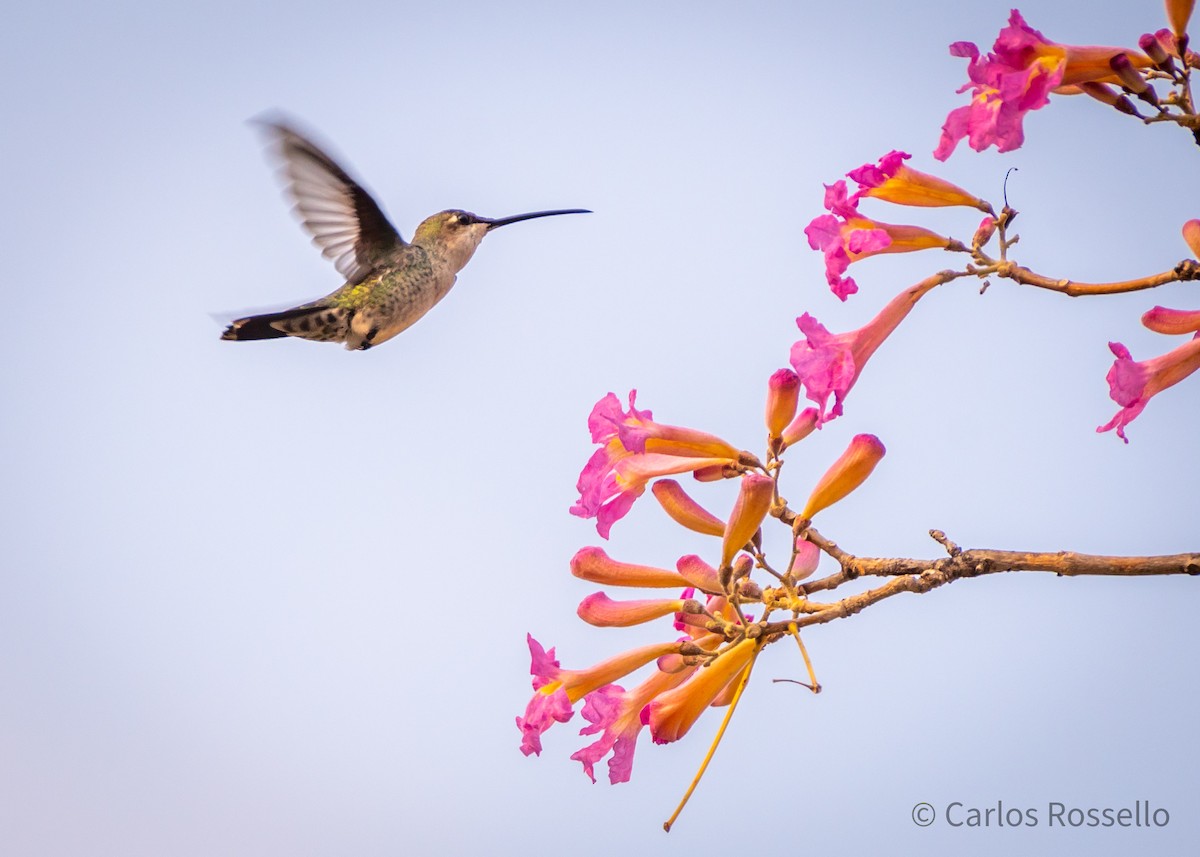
(465, 219)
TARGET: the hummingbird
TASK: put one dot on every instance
(390, 283)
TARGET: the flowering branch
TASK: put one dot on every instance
(710, 664)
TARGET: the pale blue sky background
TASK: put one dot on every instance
(271, 598)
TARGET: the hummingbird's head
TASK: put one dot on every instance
(455, 234)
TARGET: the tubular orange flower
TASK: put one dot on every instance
(751, 507)
(673, 712)
(893, 181)
(686, 511)
(556, 690)
(594, 565)
(846, 474)
(845, 236)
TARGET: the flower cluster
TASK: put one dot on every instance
(845, 235)
(708, 664)
(707, 658)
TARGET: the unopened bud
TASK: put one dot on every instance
(594, 565)
(1172, 321)
(1178, 14)
(801, 427)
(846, 474)
(783, 394)
(751, 507)
(1105, 93)
(686, 511)
(1191, 234)
(600, 610)
(1132, 79)
(699, 574)
(987, 228)
(808, 557)
(1154, 49)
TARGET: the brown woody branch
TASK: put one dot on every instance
(917, 575)
(1188, 269)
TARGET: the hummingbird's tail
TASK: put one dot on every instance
(323, 324)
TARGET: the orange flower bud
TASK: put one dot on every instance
(686, 511)
(594, 565)
(782, 397)
(751, 507)
(1191, 234)
(846, 474)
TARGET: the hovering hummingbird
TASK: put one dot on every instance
(390, 283)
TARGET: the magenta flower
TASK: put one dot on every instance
(633, 450)
(892, 181)
(1132, 384)
(1016, 78)
(829, 364)
(845, 236)
(557, 690)
(615, 713)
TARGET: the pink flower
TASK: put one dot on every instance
(829, 364)
(557, 690)
(1016, 78)
(615, 712)
(846, 236)
(1132, 384)
(633, 450)
(892, 181)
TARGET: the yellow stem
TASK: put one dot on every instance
(717, 740)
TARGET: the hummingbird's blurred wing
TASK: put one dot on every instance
(343, 219)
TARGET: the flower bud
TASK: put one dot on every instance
(808, 556)
(783, 394)
(751, 507)
(987, 228)
(1153, 48)
(1131, 78)
(699, 574)
(686, 511)
(1178, 14)
(594, 565)
(1105, 93)
(1172, 321)
(846, 474)
(1191, 234)
(801, 427)
(600, 610)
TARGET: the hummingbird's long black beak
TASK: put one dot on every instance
(516, 218)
